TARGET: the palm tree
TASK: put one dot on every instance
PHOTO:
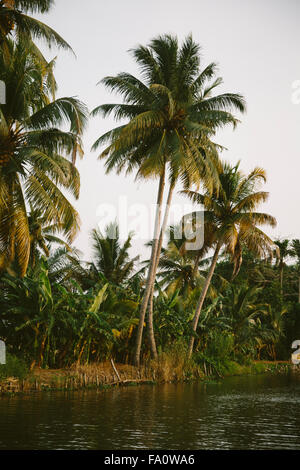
(64, 266)
(42, 235)
(277, 322)
(171, 116)
(33, 153)
(179, 267)
(231, 213)
(176, 271)
(13, 18)
(111, 258)
(283, 253)
(245, 315)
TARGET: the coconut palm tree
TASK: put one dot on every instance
(245, 313)
(276, 317)
(42, 235)
(171, 116)
(231, 213)
(34, 153)
(111, 258)
(13, 18)
(176, 268)
(64, 266)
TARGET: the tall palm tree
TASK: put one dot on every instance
(34, 153)
(231, 213)
(111, 258)
(171, 117)
(13, 17)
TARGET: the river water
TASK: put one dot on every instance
(253, 412)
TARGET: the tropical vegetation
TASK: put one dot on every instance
(234, 299)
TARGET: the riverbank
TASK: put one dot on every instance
(107, 374)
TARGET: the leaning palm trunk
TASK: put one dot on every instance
(202, 297)
(196, 265)
(151, 272)
(158, 251)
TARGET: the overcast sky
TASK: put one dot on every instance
(257, 46)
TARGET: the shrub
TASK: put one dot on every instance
(14, 367)
(173, 365)
(220, 345)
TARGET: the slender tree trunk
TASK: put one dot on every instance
(151, 274)
(158, 252)
(196, 265)
(299, 290)
(202, 296)
(151, 335)
(281, 281)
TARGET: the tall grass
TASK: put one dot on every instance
(173, 365)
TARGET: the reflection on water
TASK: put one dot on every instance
(258, 412)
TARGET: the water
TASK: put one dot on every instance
(258, 412)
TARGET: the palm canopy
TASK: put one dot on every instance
(283, 251)
(43, 236)
(13, 17)
(246, 317)
(178, 267)
(231, 213)
(111, 258)
(34, 164)
(170, 113)
(295, 250)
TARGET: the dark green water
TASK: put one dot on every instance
(259, 412)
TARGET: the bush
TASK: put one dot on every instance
(14, 367)
(220, 345)
(172, 364)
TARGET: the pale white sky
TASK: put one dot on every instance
(257, 46)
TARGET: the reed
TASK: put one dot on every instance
(171, 366)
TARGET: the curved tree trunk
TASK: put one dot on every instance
(202, 296)
(158, 251)
(151, 272)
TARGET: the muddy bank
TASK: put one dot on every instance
(108, 374)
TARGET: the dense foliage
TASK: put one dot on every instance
(63, 311)
(237, 298)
